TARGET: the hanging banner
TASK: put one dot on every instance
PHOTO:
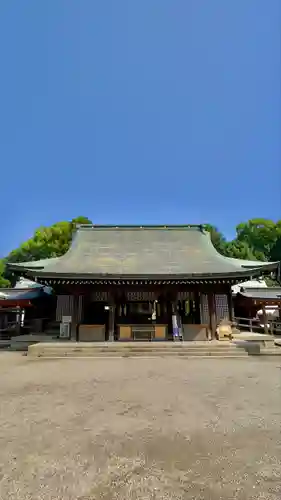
(177, 328)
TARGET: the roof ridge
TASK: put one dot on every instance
(200, 227)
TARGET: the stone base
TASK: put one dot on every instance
(257, 343)
(253, 337)
(21, 342)
(136, 349)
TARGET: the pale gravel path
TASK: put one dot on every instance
(139, 429)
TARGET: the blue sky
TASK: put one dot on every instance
(139, 111)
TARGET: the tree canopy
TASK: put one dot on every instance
(256, 239)
(4, 283)
(47, 242)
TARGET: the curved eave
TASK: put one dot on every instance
(232, 274)
(15, 303)
(22, 268)
(12, 294)
(262, 265)
(266, 266)
(32, 265)
(249, 263)
(258, 300)
(237, 269)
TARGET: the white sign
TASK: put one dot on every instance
(64, 330)
(66, 319)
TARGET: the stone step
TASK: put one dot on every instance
(195, 352)
(158, 346)
(270, 352)
(116, 347)
(22, 342)
(75, 350)
(112, 355)
(4, 344)
(144, 356)
(51, 348)
(142, 349)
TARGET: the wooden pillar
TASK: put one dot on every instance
(174, 307)
(198, 311)
(111, 322)
(265, 319)
(212, 314)
(70, 306)
(74, 333)
(230, 306)
(18, 320)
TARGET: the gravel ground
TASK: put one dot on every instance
(88, 429)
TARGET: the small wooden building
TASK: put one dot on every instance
(260, 305)
(129, 282)
(22, 307)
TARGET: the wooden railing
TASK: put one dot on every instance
(13, 328)
(10, 329)
(255, 325)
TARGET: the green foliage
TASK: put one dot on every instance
(217, 238)
(4, 283)
(271, 281)
(260, 235)
(47, 242)
(275, 252)
(240, 250)
(257, 239)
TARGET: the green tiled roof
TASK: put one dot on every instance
(272, 293)
(142, 251)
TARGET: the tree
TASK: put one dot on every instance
(275, 252)
(261, 235)
(4, 283)
(239, 250)
(217, 238)
(52, 241)
(257, 239)
(47, 242)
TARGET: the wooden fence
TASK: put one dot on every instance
(255, 325)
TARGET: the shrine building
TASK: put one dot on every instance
(127, 282)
